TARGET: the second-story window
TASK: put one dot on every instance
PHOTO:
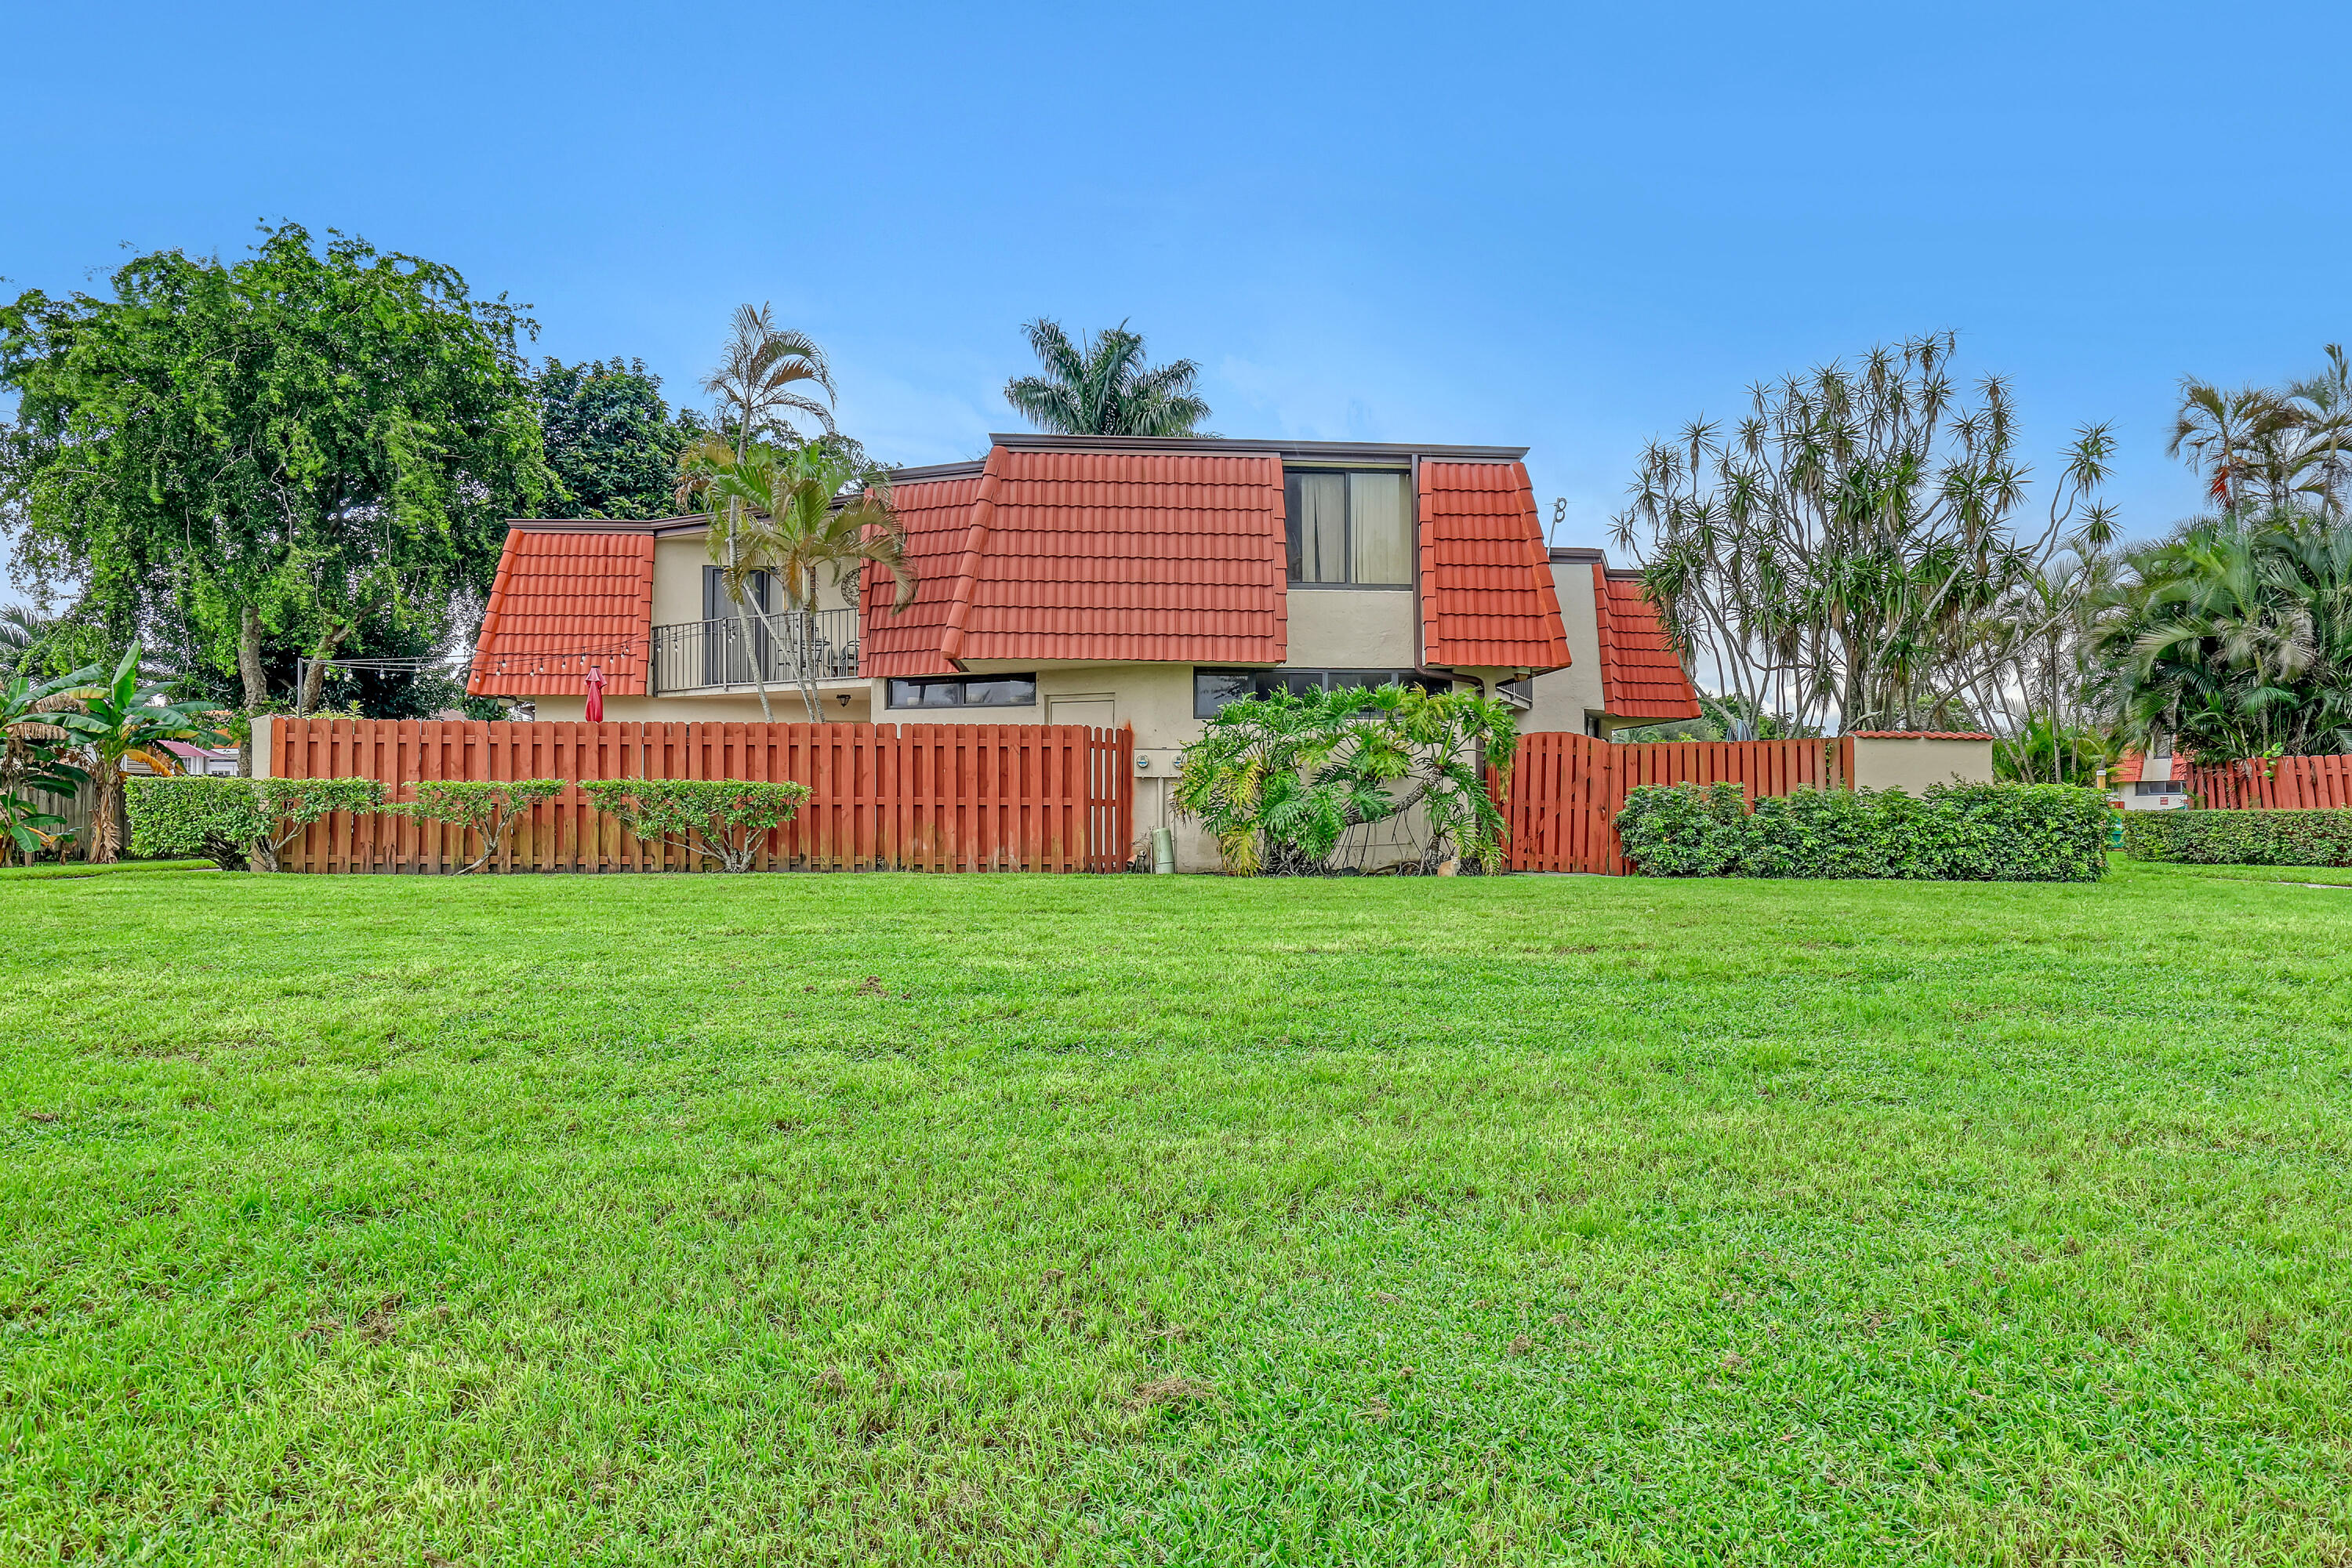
(1349, 527)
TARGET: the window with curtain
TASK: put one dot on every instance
(1351, 526)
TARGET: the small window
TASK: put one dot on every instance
(965, 692)
(1212, 689)
(1349, 528)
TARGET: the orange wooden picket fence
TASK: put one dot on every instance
(2282, 783)
(917, 798)
(1567, 789)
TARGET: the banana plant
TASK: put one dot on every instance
(116, 720)
(34, 756)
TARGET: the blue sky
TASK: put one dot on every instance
(1571, 227)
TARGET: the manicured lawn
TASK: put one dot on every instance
(1135, 1220)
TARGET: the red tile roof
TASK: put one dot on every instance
(560, 602)
(1641, 675)
(937, 514)
(1918, 735)
(1486, 584)
(1088, 555)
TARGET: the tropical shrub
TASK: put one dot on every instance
(1682, 830)
(486, 808)
(1278, 780)
(2240, 838)
(235, 822)
(2010, 832)
(34, 756)
(728, 819)
(219, 819)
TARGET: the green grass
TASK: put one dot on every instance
(854, 1220)
(56, 871)
(2326, 875)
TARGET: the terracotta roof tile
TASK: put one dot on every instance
(560, 602)
(1089, 555)
(1485, 585)
(1641, 675)
(1918, 735)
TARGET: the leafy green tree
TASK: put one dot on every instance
(612, 441)
(274, 451)
(1101, 386)
(1279, 780)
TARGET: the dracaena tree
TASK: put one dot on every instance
(1101, 386)
(1833, 554)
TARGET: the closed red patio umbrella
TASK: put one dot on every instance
(595, 694)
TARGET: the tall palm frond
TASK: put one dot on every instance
(1102, 387)
(758, 376)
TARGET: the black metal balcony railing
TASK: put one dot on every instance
(784, 647)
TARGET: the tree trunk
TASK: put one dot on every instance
(256, 690)
(314, 674)
(105, 813)
(752, 653)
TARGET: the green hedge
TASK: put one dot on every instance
(2004, 833)
(2240, 838)
(231, 822)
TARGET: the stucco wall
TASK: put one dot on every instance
(1352, 628)
(1912, 765)
(1564, 698)
(677, 583)
(732, 709)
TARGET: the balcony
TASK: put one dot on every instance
(787, 647)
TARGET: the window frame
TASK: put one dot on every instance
(894, 685)
(1294, 544)
(1265, 682)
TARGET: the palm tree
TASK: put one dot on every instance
(795, 514)
(1102, 387)
(21, 632)
(755, 380)
(2237, 638)
(2224, 433)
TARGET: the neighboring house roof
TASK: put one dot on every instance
(1641, 675)
(1110, 555)
(561, 602)
(1488, 601)
(1918, 735)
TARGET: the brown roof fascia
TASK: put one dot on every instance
(962, 470)
(1323, 451)
(1577, 553)
(657, 526)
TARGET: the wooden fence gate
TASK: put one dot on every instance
(917, 797)
(1567, 789)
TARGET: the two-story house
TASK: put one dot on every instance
(1108, 581)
